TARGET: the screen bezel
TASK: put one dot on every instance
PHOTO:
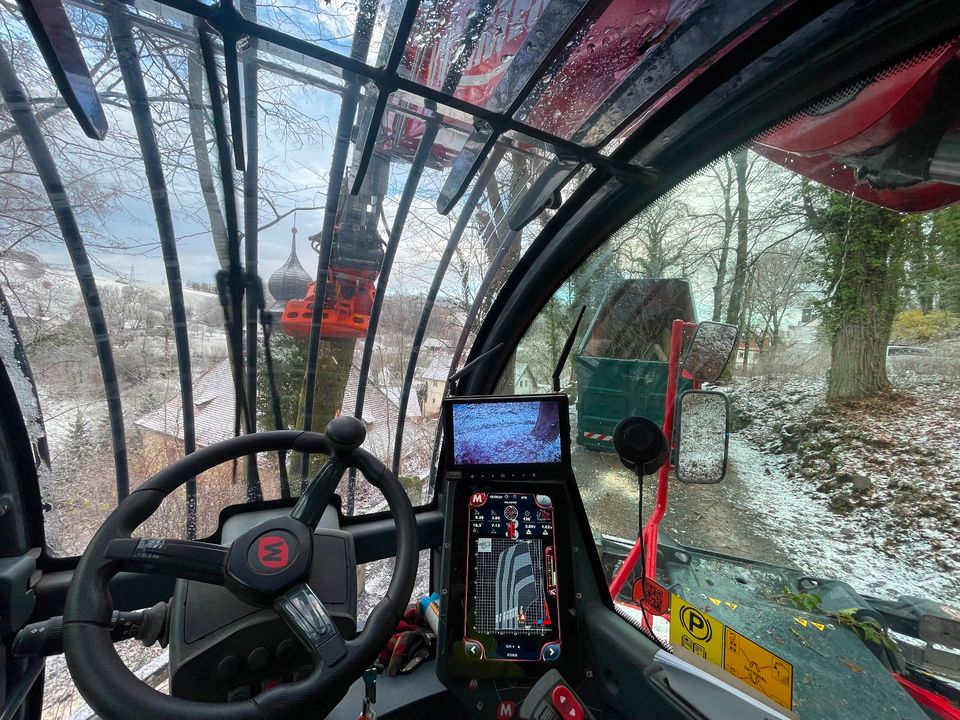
(544, 468)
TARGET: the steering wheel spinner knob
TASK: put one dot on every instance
(345, 434)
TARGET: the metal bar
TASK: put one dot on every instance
(338, 167)
(492, 270)
(237, 24)
(33, 140)
(647, 536)
(129, 63)
(234, 277)
(393, 62)
(251, 206)
(57, 42)
(390, 252)
(232, 71)
(370, 140)
(455, 235)
(160, 29)
(545, 42)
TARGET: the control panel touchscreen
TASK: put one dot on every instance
(511, 591)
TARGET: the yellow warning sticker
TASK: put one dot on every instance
(718, 603)
(758, 667)
(810, 623)
(694, 630)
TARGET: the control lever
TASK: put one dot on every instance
(552, 699)
(369, 694)
(45, 638)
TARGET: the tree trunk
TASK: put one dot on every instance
(725, 248)
(858, 361)
(864, 303)
(743, 217)
(333, 368)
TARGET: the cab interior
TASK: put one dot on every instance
(421, 107)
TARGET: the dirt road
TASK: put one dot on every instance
(759, 513)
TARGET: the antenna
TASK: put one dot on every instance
(470, 366)
(566, 350)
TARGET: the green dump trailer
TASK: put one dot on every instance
(621, 363)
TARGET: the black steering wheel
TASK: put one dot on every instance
(266, 566)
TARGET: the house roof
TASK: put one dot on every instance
(214, 408)
(520, 369)
(214, 404)
(438, 369)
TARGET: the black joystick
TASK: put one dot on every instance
(641, 444)
(345, 434)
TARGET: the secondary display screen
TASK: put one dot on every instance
(511, 592)
(506, 433)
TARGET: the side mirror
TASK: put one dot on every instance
(702, 430)
(709, 351)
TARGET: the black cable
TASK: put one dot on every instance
(465, 214)
(266, 324)
(338, 166)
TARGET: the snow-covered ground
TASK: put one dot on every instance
(899, 536)
(872, 488)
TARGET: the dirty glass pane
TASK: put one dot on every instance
(826, 464)
(492, 32)
(567, 97)
(330, 25)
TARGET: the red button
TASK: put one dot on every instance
(566, 703)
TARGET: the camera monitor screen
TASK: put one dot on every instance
(508, 431)
(511, 579)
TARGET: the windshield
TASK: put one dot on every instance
(302, 212)
(840, 478)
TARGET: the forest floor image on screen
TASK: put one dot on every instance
(509, 582)
(506, 433)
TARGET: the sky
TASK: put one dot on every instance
(295, 164)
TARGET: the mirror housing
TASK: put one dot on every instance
(709, 351)
(703, 432)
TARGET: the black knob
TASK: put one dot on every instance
(345, 434)
(641, 444)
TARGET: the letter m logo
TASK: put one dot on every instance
(273, 551)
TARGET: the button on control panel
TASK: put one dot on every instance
(553, 699)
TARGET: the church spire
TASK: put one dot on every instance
(290, 280)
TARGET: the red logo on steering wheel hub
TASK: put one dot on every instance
(273, 551)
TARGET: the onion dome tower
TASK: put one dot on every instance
(290, 280)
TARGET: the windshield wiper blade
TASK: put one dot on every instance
(58, 44)
(230, 282)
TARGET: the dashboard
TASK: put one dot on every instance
(516, 567)
(519, 573)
